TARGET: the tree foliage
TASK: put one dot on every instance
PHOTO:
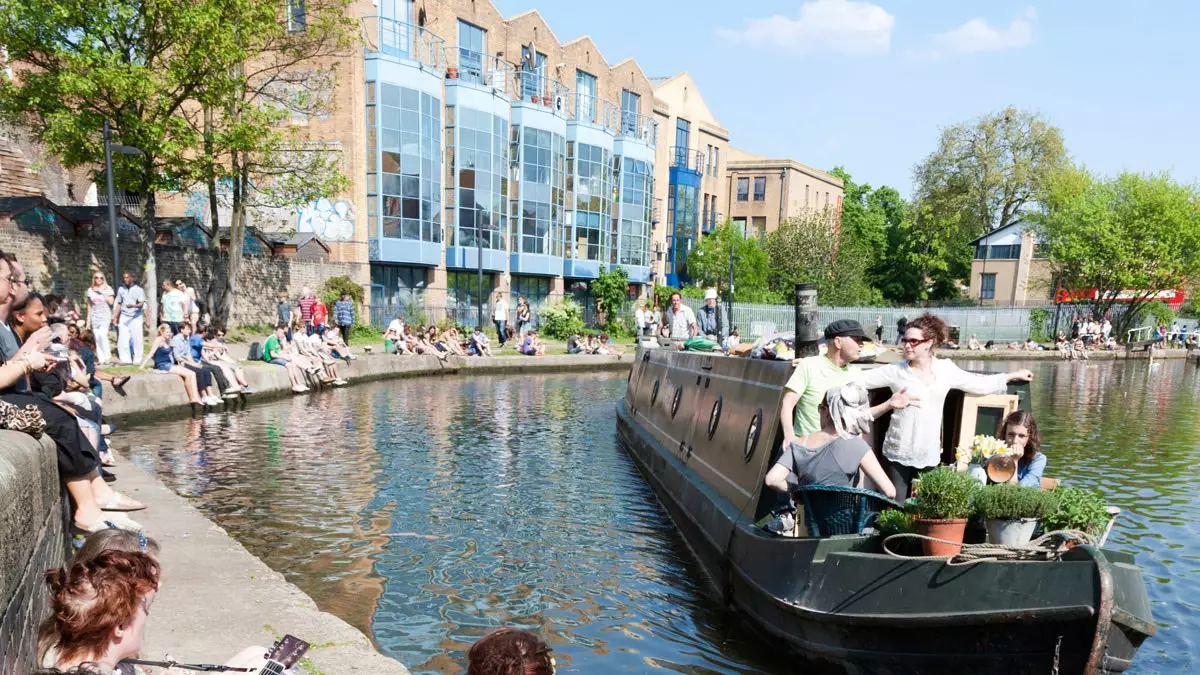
(1129, 232)
(708, 263)
(610, 290)
(878, 222)
(806, 249)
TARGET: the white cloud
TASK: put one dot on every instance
(976, 36)
(840, 26)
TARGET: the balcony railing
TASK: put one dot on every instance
(397, 38)
(595, 110)
(535, 87)
(480, 69)
(685, 158)
(639, 127)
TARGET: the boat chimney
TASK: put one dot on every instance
(807, 334)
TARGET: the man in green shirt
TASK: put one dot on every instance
(275, 352)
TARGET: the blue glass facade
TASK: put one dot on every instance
(590, 167)
(477, 162)
(541, 202)
(636, 193)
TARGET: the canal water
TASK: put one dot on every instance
(427, 512)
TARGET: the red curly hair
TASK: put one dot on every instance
(509, 651)
(93, 598)
(931, 327)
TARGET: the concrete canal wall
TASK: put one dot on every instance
(216, 597)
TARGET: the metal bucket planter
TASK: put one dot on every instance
(951, 529)
(1011, 532)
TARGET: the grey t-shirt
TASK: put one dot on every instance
(835, 463)
(130, 295)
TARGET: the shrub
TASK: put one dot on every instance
(893, 521)
(1158, 312)
(662, 295)
(610, 290)
(331, 292)
(945, 494)
(1039, 319)
(1078, 509)
(561, 320)
(1013, 502)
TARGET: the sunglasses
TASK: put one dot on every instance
(913, 342)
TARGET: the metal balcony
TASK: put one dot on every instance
(639, 127)
(597, 111)
(388, 36)
(687, 159)
(482, 70)
(534, 87)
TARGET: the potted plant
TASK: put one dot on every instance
(1012, 512)
(452, 73)
(534, 98)
(973, 458)
(1078, 509)
(894, 521)
(943, 507)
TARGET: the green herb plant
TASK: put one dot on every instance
(894, 521)
(1013, 502)
(1078, 509)
(945, 494)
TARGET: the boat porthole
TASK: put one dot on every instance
(697, 380)
(654, 393)
(752, 435)
(675, 402)
(714, 418)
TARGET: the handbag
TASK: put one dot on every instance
(27, 420)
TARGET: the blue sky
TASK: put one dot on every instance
(868, 85)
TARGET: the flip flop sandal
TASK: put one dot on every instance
(114, 504)
(119, 382)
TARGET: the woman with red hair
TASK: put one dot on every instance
(509, 651)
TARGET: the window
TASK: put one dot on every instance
(706, 223)
(477, 164)
(826, 200)
(743, 189)
(715, 216)
(637, 197)
(538, 225)
(585, 96)
(716, 159)
(708, 158)
(806, 196)
(401, 287)
(682, 211)
(987, 286)
(472, 46)
(760, 188)
(535, 289)
(682, 132)
(758, 227)
(590, 168)
(739, 225)
(631, 108)
(297, 16)
(404, 165)
(463, 296)
(1006, 252)
(532, 76)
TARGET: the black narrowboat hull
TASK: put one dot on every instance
(839, 602)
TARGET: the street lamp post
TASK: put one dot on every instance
(109, 149)
(729, 298)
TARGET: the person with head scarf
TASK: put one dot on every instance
(835, 454)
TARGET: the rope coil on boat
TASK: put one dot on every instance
(1049, 546)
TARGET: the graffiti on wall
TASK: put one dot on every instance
(329, 219)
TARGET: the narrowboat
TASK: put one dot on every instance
(703, 430)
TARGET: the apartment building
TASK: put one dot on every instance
(761, 192)
(1010, 268)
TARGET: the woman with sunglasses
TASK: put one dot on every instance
(914, 438)
(100, 297)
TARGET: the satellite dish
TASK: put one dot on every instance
(559, 103)
(529, 56)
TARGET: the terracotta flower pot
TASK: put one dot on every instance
(951, 529)
(452, 73)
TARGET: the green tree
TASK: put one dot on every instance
(877, 221)
(248, 143)
(708, 264)
(610, 290)
(137, 63)
(1133, 231)
(806, 249)
(984, 174)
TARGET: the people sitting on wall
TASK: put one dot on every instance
(216, 352)
(509, 651)
(1019, 430)
(835, 454)
(531, 345)
(1032, 346)
(313, 349)
(453, 342)
(181, 346)
(573, 344)
(22, 355)
(164, 361)
(275, 352)
(481, 345)
(973, 344)
(608, 348)
(1079, 350)
(84, 342)
(1062, 347)
(393, 335)
(335, 344)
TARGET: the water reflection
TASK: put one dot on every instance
(427, 512)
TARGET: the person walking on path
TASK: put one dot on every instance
(878, 328)
(500, 318)
(900, 324)
(100, 298)
(914, 438)
(524, 315)
(129, 322)
(343, 316)
(174, 306)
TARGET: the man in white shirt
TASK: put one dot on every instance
(641, 320)
(681, 320)
(500, 317)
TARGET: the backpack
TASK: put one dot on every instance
(256, 352)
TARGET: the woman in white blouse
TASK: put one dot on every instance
(914, 438)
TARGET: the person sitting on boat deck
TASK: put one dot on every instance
(709, 320)
(1019, 430)
(914, 438)
(680, 319)
(835, 453)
